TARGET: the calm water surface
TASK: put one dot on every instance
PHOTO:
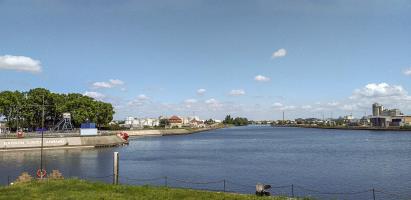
(312, 159)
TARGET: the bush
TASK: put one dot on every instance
(24, 178)
(55, 174)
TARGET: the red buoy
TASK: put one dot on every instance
(20, 134)
(41, 174)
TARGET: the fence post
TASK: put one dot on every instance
(165, 181)
(224, 185)
(8, 180)
(292, 190)
(373, 193)
(115, 168)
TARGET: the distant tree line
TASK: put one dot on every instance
(24, 109)
(238, 121)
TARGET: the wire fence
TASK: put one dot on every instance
(229, 186)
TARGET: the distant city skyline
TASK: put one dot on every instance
(254, 59)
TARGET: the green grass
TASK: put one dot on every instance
(80, 189)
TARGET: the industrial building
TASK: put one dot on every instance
(388, 117)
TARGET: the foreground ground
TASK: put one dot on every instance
(80, 189)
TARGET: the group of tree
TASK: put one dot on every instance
(209, 121)
(25, 109)
(164, 123)
(238, 121)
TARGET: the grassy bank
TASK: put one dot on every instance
(80, 189)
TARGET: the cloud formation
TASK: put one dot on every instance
(190, 101)
(141, 99)
(281, 107)
(109, 84)
(20, 63)
(116, 82)
(407, 72)
(238, 92)
(94, 95)
(374, 90)
(201, 91)
(279, 53)
(261, 78)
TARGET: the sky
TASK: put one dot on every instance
(254, 59)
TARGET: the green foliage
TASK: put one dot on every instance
(80, 189)
(238, 121)
(24, 109)
(163, 123)
(209, 121)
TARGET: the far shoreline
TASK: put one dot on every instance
(347, 128)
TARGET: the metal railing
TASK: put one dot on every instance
(224, 185)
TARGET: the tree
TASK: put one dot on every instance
(228, 120)
(25, 108)
(209, 122)
(238, 121)
(163, 123)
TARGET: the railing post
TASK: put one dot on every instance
(224, 185)
(165, 181)
(292, 190)
(8, 180)
(373, 193)
(115, 168)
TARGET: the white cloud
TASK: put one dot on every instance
(261, 78)
(190, 101)
(20, 63)
(237, 92)
(277, 104)
(211, 101)
(334, 103)
(201, 91)
(143, 97)
(94, 95)
(407, 72)
(213, 104)
(282, 107)
(349, 107)
(374, 90)
(306, 107)
(116, 82)
(102, 85)
(279, 53)
(110, 84)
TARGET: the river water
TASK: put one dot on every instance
(314, 161)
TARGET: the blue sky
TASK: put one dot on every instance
(333, 57)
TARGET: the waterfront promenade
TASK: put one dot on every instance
(166, 132)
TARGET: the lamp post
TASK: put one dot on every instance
(41, 170)
(42, 139)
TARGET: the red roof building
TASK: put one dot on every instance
(175, 120)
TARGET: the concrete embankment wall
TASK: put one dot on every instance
(24, 143)
(163, 132)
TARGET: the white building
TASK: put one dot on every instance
(3, 127)
(133, 122)
(187, 120)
